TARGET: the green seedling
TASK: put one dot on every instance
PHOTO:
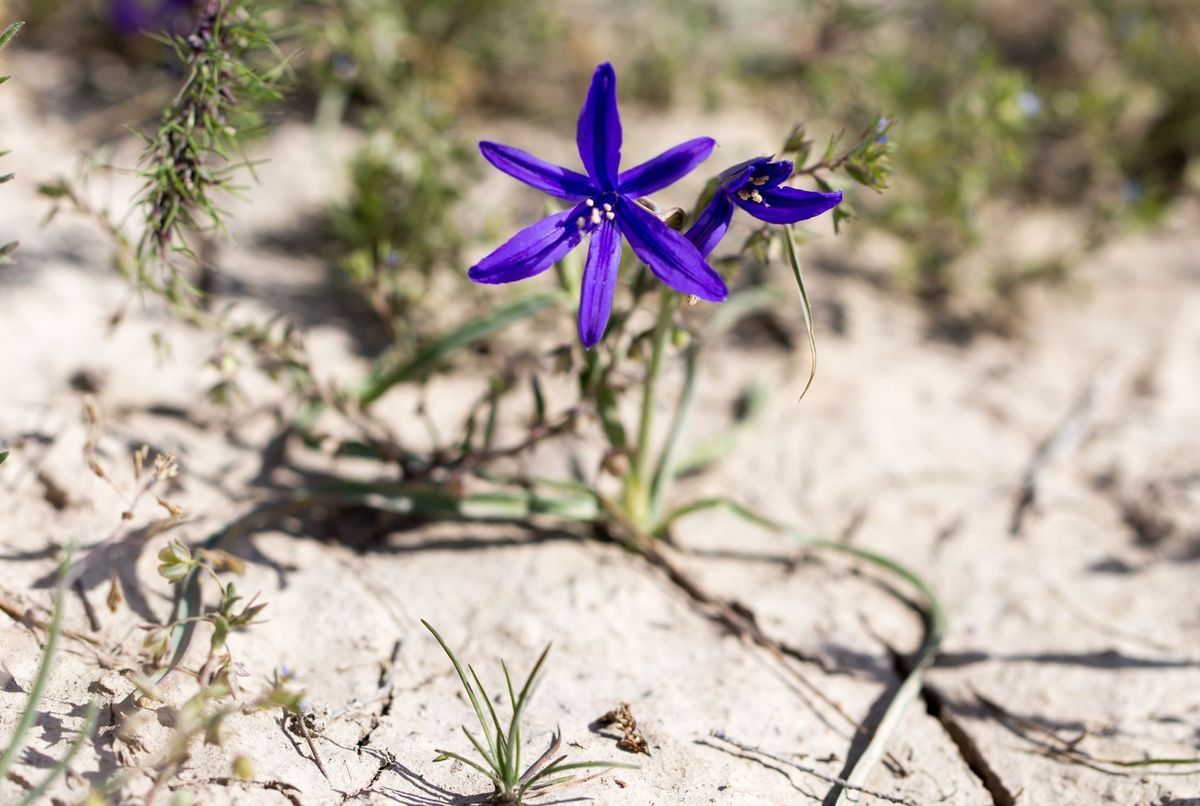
(500, 749)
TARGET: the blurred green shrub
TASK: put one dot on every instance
(1087, 104)
(6, 35)
(1091, 105)
(404, 71)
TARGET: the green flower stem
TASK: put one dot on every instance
(639, 481)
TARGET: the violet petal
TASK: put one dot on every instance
(672, 258)
(710, 227)
(599, 132)
(599, 283)
(665, 169)
(546, 177)
(787, 205)
(530, 251)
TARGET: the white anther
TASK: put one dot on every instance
(756, 196)
(595, 216)
(610, 215)
(591, 203)
(759, 180)
(607, 208)
(579, 222)
(744, 195)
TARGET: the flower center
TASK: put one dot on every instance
(752, 194)
(595, 211)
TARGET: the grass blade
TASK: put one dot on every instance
(486, 754)
(501, 742)
(29, 715)
(9, 33)
(713, 450)
(789, 243)
(500, 505)
(514, 727)
(446, 754)
(462, 676)
(666, 471)
(385, 377)
(935, 630)
(85, 732)
(527, 689)
(188, 603)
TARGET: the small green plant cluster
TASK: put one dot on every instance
(500, 749)
(197, 147)
(6, 36)
(1084, 105)
(398, 70)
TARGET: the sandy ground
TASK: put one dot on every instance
(1076, 630)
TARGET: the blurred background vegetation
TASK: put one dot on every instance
(1087, 107)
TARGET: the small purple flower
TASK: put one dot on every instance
(606, 208)
(756, 186)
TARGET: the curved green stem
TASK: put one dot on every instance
(910, 687)
(638, 482)
(669, 460)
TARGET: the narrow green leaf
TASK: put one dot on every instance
(388, 374)
(501, 505)
(610, 418)
(539, 399)
(665, 471)
(484, 753)
(514, 725)
(935, 629)
(85, 734)
(188, 603)
(531, 680)
(29, 715)
(462, 676)
(794, 260)
(501, 743)
(446, 754)
(9, 33)
(710, 451)
(3, 457)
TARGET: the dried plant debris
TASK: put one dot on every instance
(632, 740)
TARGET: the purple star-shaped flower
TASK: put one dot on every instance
(606, 208)
(756, 186)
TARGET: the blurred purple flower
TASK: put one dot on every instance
(755, 186)
(136, 16)
(606, 208)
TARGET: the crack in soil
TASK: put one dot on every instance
(282, 787)
(968, 749)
